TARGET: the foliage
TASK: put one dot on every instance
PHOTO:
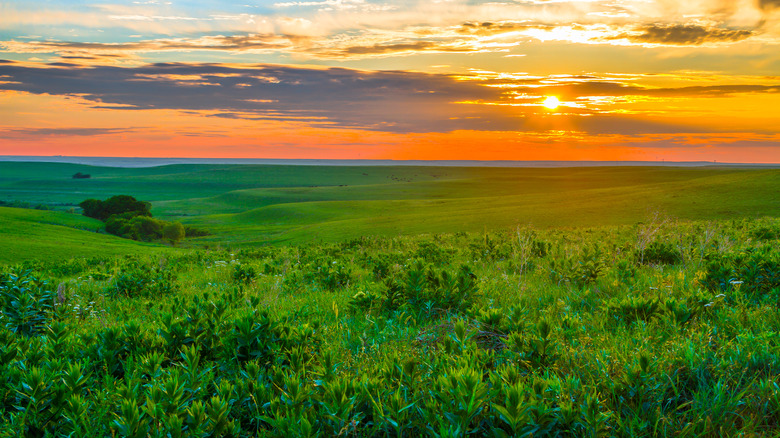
(173, 232)
(142, 280)
(481, 336)
(755, 272)
(118, 204)
(661, 252)
(26, 303)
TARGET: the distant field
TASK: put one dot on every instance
(52, 236)
(260, 204)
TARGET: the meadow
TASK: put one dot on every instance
(382, 302)
(254, 205)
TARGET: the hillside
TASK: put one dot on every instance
(262, 204)
(666, 328)
(51, 236)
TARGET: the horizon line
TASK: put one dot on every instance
(112, 161)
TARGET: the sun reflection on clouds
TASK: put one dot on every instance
(395, 71)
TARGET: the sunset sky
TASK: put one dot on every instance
(402, 79)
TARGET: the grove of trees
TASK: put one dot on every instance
(115, 205)
(130, 218)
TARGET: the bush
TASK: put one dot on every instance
(754, 273)
(173, 232)
(142, 280)
(27, 304)
(118, 204)
(661, 253)
(422, 288)
(328, 274)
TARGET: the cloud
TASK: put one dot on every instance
(768, 4)
(495, 27)
(37, 133)
(389, 101)
(683, 34)
(384, 101)
(599, 88)
(367, 44)
(96, 50)
(394, 49)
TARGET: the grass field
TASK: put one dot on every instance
(668, 328)
(51, 236)
(580, 302)
(258, 205)
(586, 198)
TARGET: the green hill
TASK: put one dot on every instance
(50, 236)
(580, 198)
(261, 204)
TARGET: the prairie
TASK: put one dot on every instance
(665, 328)
(378, 302)
(258, 205)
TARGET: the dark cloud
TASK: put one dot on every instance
(387, 49)
(385, 100)
(391, 101)
(683, 34)
(493, 27)
(569, 91)
(61, 132)
(236, 43)
(221, 42)
(768, 4)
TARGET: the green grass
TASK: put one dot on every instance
(255, 205)
(602, 302)
(579, 198)
(667, 328)
(56, 236)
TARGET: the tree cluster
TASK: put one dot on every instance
(132, 219)
(124, 205)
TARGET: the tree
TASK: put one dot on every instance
(126, 204)
(93, 208)
(146, 228)
(118, 226)
(173, 232)
(119, 204)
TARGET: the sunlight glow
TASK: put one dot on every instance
(551, 102)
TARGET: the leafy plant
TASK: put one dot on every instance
(27, 303)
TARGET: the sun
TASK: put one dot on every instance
(551, 102)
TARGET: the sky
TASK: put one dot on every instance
(697, 80)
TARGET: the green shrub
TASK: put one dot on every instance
(27, 303)
(661, 253)
(328, 274)
(243, 274)
(422, 287)
(579, 270)
(754, 273)
(141, 280)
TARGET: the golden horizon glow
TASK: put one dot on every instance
(589, 79)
